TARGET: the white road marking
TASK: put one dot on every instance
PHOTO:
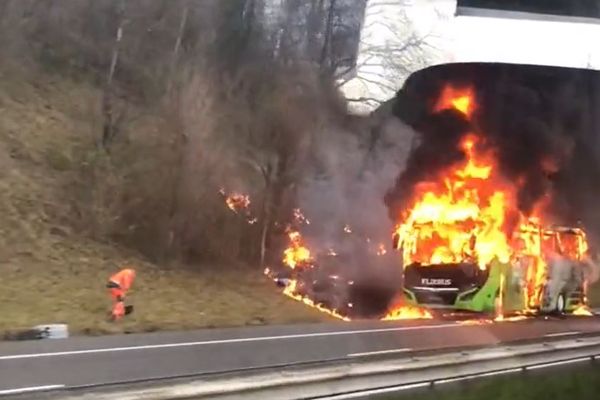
(487, 374)
(554, 364)
(372, 353)
(372, 392)
(30, 389)
(226, 341)
(561, 334)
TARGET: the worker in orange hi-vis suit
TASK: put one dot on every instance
(119, 284)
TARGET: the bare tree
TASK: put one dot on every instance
(110, 125)
(391, 48)
(177, 46)
(190, 98)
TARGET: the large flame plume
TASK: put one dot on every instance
(469, 213)
(461, 216)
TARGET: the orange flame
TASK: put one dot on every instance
(297, 253)
(471, 322)
(298, 256)
(290, 291)
(583, 311)
(462, 215)
(514, 318)
(236, 201)
(460, 99)
(402, 312)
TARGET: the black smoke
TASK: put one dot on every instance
(542, 122)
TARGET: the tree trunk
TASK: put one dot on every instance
(175, 56)
(314, 29)
(264, 235)
(325, 61)
(109, 128)
(267, 214)
(172, 246)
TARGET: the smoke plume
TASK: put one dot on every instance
(342, 196)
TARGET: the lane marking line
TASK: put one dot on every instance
(30, 389)
(554, 364)
(226, 341)
(477, 376)
(372, 353)
(559, 334)
(372, 392)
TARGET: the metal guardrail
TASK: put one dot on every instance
(363, 377)
(432, 384)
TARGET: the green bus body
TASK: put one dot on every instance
(502, 287)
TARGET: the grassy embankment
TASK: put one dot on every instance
(578, 384)
(50, 274)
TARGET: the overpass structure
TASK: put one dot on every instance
(399, 37)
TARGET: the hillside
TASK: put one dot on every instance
(52, 274)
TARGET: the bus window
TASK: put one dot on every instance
(568, 244)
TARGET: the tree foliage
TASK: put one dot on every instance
(195, 96)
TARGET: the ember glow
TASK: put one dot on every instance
(239, 204)
(299, 258)
(236, 201)
(291, 291)
(300, 218)
(514, 318)
(583, 311)
(402, 312)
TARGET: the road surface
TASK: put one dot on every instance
(80, 362)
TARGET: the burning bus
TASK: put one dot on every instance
(467, 245)
(548, 276)
(490, 172)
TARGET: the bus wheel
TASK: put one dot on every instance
(560, 304)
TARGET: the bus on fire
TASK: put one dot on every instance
(546, 274)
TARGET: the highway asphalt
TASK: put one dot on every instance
(77, 362)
